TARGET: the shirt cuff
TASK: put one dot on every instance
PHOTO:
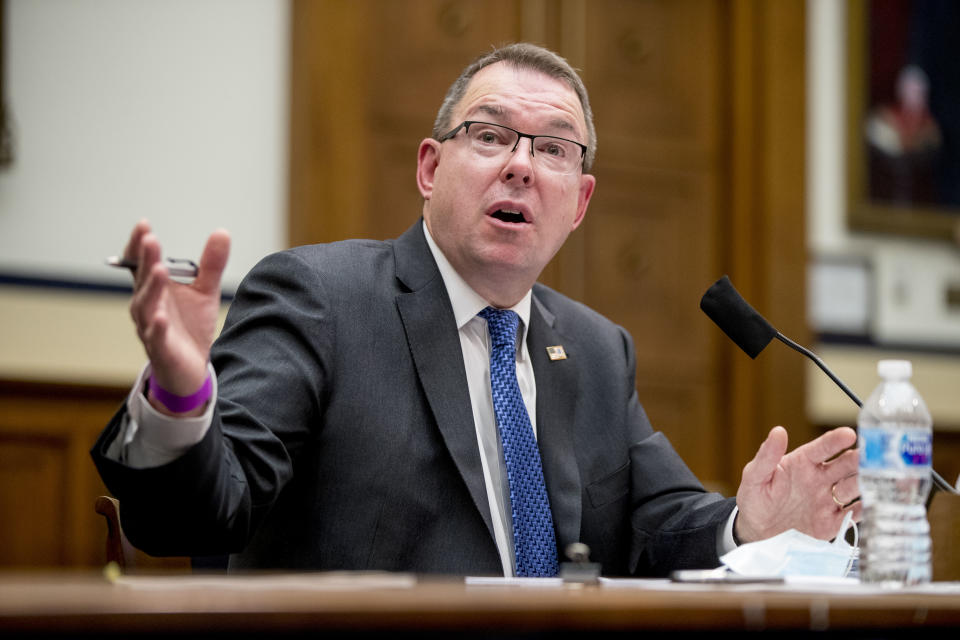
(149, 438)
(725, 540)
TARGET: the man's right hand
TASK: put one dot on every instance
(176, 322)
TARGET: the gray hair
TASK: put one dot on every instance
(524, 56)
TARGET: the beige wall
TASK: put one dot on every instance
(54, 335)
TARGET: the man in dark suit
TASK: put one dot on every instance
(346, 421)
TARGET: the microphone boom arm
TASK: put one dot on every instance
(938, 480)
(810, 354)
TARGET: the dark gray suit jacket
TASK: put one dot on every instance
(343, 436)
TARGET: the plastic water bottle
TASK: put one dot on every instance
(896, 448)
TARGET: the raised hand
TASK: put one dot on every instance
(176, 322)
(800, 490)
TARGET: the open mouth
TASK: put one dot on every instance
(508, 216)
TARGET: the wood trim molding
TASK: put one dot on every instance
(767, 260)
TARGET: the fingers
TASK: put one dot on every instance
(829, 444)
(845, 491)
(843, 466)
(837, 467)
(149, 255)
(768, 457)
(143, 247)
(213, 261)
(132, 250)
(827, 504)
(834, 503)
(146, 303)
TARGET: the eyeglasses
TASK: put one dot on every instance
(496, 141)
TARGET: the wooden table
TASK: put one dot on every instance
(53, 604)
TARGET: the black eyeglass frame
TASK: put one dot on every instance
(465, 125)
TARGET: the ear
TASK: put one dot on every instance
(428, 159)
(587, 184)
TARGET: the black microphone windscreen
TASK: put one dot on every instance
(741, 322)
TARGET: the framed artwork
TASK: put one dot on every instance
(6, 135)
(903, 120)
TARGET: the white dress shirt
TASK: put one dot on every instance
(475, 343)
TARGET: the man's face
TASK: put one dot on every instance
(466, 195)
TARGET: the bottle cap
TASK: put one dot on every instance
(895, 369)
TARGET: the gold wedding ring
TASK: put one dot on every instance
(836, 500)
(833, 493)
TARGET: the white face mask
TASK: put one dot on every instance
(792, 553)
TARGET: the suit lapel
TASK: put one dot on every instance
(435, 346)
(556, 394)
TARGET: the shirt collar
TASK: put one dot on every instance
(466, 302)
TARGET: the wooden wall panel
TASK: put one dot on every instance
(34, 499)
(650, 241)
(653, 72)
(48, 483)
(647, 261)
(367, 80)
(765, 252)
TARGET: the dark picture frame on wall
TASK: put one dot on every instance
(6, 132)
(903, 117)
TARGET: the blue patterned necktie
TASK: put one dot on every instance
(534, 542)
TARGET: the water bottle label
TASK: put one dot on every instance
(884, 449)
(916, 449)
(873, 446)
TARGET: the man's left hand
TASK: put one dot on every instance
(810, 489)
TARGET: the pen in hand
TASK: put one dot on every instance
(177, 267)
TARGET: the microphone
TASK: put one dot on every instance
(752, 333)
(749, 330)
(741, 322)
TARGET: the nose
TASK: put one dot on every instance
(519, 165)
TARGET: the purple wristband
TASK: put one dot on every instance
(182, 404)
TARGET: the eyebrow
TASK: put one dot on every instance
(497, 111)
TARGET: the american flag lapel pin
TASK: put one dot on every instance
(556, 352)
